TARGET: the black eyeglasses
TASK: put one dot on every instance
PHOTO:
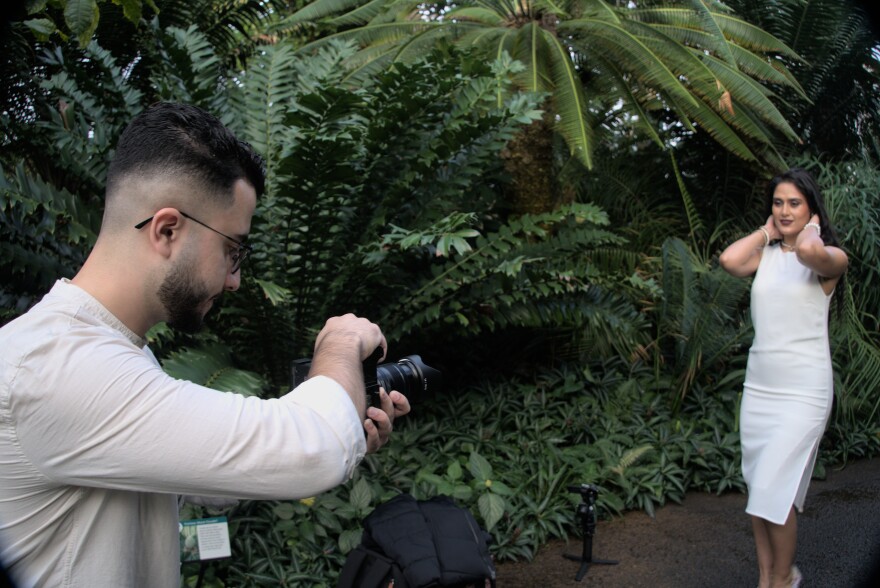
(237, 258)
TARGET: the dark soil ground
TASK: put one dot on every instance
(707, 542)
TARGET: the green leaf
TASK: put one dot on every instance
(491, 509)
(132, 9)
(284, 511)
(431, 478)
(35, 6)
(501, 488)
(41, 27)
(361, 495)
(461, 492)
(479, 467)
(273, 292)
(349, 539)
(81, 17)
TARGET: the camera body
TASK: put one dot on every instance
(410, 376)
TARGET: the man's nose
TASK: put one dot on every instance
(233, 281)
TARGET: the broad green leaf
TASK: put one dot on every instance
(501, 488)
(361, 495)
(35, 6)
(132, 9)
(461, 492)
(284, 511)
(491, 509)
(81, 17)
(349, 539)
(41, 27)
(454, 471)
(479, 467)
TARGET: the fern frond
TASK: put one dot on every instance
(629, 458)
(47, 233)
(211, 366)
(189, 69)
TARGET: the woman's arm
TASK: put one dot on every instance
(742, 257)
(827, 261)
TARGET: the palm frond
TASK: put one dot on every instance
(626, 91)
(359, 15)
(852, 341)
(718, 128)
(633, 55)
(381, 34)
(574, 117)
(319, 9)
(647, 48)
(748, 92)
(747, 61)
(478, 14)
(696, 319)
(693, 216)
(733, 28)
(839, 74)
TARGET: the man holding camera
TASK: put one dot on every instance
(96, 441)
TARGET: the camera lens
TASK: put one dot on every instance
(410, 376)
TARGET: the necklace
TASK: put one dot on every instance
(787, 246)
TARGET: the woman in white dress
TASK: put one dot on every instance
(788, 387)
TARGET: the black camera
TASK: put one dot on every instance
(410, 376)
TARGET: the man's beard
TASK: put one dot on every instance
(181, 295)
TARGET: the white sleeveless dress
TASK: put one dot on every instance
(789, 386)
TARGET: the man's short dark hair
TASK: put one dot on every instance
(171, 138)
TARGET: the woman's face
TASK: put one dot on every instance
(790, 209)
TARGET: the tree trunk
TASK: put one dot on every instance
(529, 160)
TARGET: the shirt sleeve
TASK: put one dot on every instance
(101, 413)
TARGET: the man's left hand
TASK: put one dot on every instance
(380, 421)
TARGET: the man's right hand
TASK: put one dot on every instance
(341, 347)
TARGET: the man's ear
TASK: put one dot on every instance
(165, 230)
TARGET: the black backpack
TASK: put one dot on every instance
(418, 544)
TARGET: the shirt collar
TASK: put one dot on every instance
(90, 303)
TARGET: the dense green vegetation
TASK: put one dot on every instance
(565, 283)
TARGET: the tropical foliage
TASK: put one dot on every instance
(75, 18)
(839, 72)
(605, 65)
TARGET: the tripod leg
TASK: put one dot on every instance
(586, 557)
(585, 567)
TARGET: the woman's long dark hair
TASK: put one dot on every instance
(807, 185)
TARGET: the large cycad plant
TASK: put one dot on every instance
(840, 116)
(602, 64)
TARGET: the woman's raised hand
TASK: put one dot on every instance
(772, 229)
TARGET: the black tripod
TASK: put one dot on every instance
(586, 511)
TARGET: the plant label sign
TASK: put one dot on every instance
(203, 539)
